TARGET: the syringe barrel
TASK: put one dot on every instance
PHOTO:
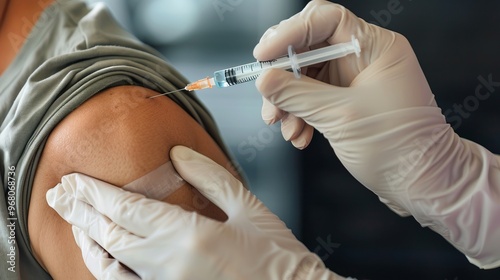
(247, 72)
(328, 53)
(251, 71)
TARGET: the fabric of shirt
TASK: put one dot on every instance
(72, 53)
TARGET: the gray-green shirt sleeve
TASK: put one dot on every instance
(72, 53)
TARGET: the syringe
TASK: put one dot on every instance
(251, 71)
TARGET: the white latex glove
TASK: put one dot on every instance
(162, 241)
(381, 119)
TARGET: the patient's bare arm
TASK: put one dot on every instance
(117, 136)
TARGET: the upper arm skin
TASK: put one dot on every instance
(116, 136)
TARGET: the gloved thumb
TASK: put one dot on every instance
(212, 180)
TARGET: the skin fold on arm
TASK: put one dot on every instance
(117, 136)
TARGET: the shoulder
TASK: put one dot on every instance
(116, 136)
(121, 126)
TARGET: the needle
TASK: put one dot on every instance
(154, 96)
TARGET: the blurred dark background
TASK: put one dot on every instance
(344, 223)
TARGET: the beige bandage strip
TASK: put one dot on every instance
(158, 183)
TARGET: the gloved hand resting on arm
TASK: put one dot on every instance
(382, 121)
(161, 241)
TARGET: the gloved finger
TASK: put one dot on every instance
(291, 126)
(133, 212)
(303, 97)
(302, 140)
(212, 180)
(270, 113)
(74, 211)
(269, 33)
(98, 261)
(319, 21)
(82, 215)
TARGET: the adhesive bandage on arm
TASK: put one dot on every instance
(157, 184)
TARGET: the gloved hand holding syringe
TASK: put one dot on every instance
(251, 71)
